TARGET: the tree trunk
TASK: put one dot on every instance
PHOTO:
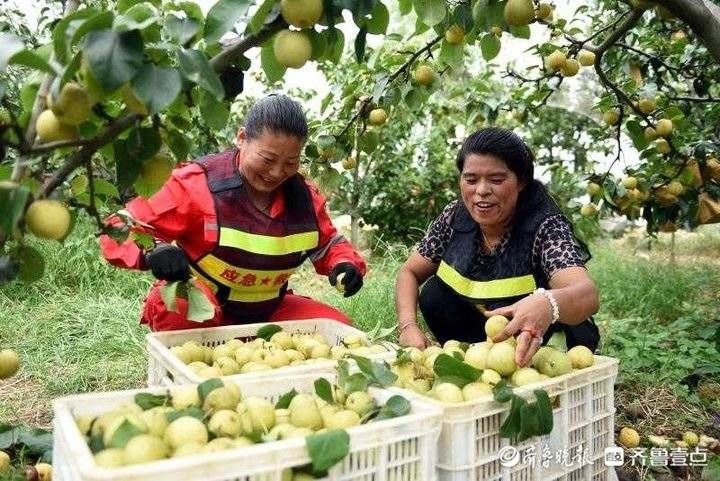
(354, 228)
(703, 18)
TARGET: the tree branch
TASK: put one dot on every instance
(85, 153)
(239, 46)
(391, 78)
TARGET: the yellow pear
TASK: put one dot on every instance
(73, 105)
(519, 12)
(292, 49)
(586, 58)
(424, 75)
(301, 13)
(50, 129)
(48, 219)
(377, 117)
(555, 60)
(454, 35)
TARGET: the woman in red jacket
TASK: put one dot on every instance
(241, 222)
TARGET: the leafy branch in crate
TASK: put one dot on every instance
(344, 404)
(199, 307)
(524, 420)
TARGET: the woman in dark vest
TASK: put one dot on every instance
(240, 222)
(503, 248)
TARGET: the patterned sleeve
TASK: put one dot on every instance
(555, 246)
(436, 239)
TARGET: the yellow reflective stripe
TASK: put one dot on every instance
(210, 284)
(242, 296)
(239, 295)
(247, 280)
(268, 245)
(495, 289)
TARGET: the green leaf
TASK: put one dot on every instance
(327, 449)
(95, 443)
(222, 17)
(511, 427)
(181, 30)
(335, 40)
(711, 472)
(452, 55)
(637, 134)
(12, 206)
(124, 433)
(156, 87)
(214, 112)
(32, 60)
(369, 142)
(502, 392)
(360, 43)
(65, 28)
(446, 365)
(139, 17)
(462, 15)
(529, 424)
(405, 6)
(490, 46)
(114, 57)
(324, 390)
(268, 330)
(273, 70)
(395, 407)
(196, 68)
(430, 12)
(544, 411)
(192, 411)
(38, 442)
(200, 308)
(520, 32)
(284, 401)
(168, 293)
(130, 153)
(378, 372)
(80, 28)
(206, 387)
(261, 16)
(379, 20)
(32, 264)
(148, 401)
(71, 69)
(356, 382)
(103, 187)
(178, 144)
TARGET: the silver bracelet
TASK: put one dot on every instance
(553, 303)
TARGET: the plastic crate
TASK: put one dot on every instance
(470, 445)
(166, 369)
(401, 449)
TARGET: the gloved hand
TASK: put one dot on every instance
(351, 280)
(168, 263)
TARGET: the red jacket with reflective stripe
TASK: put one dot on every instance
(182, 210)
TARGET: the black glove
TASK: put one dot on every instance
(168, 263)
(352, 279)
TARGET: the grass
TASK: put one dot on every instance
(77, 329)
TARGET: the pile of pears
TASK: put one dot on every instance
(415, 371)
(283, 349)
(189, 422)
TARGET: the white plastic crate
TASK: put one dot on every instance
(399, 449)
(166, 369)
(584, 414)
